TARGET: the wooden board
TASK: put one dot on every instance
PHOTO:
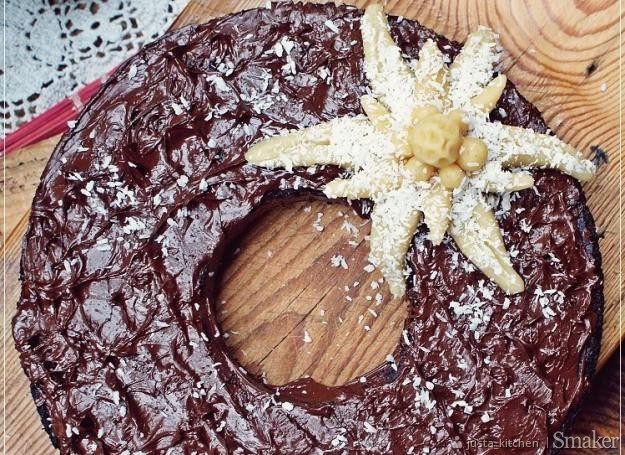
(298, 320)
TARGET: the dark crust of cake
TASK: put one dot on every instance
(42, 281)
(593, 347)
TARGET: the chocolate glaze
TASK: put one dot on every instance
(116, 325)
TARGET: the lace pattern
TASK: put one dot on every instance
(55, 47)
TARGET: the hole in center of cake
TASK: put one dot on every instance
(298, 297)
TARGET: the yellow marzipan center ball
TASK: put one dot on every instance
(436, 139)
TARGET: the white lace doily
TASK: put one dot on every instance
(55, 47)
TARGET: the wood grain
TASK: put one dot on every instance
(562, 55)
(22, 171)
(309, 316)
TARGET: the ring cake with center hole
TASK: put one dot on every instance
(116, 325)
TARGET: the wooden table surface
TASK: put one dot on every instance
(563, 55)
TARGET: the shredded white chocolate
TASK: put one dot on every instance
(394, 220)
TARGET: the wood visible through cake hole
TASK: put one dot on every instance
(290, 309)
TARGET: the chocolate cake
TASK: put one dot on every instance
(116, 325)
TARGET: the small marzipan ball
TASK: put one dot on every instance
(419, 171)
(473, 154)
(451, 176)
(436, 139)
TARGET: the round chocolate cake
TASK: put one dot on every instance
(116, 325)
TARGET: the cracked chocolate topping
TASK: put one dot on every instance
(116, 324)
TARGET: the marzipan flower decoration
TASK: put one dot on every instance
(426, 151)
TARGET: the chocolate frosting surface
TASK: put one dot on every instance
(116, 325)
